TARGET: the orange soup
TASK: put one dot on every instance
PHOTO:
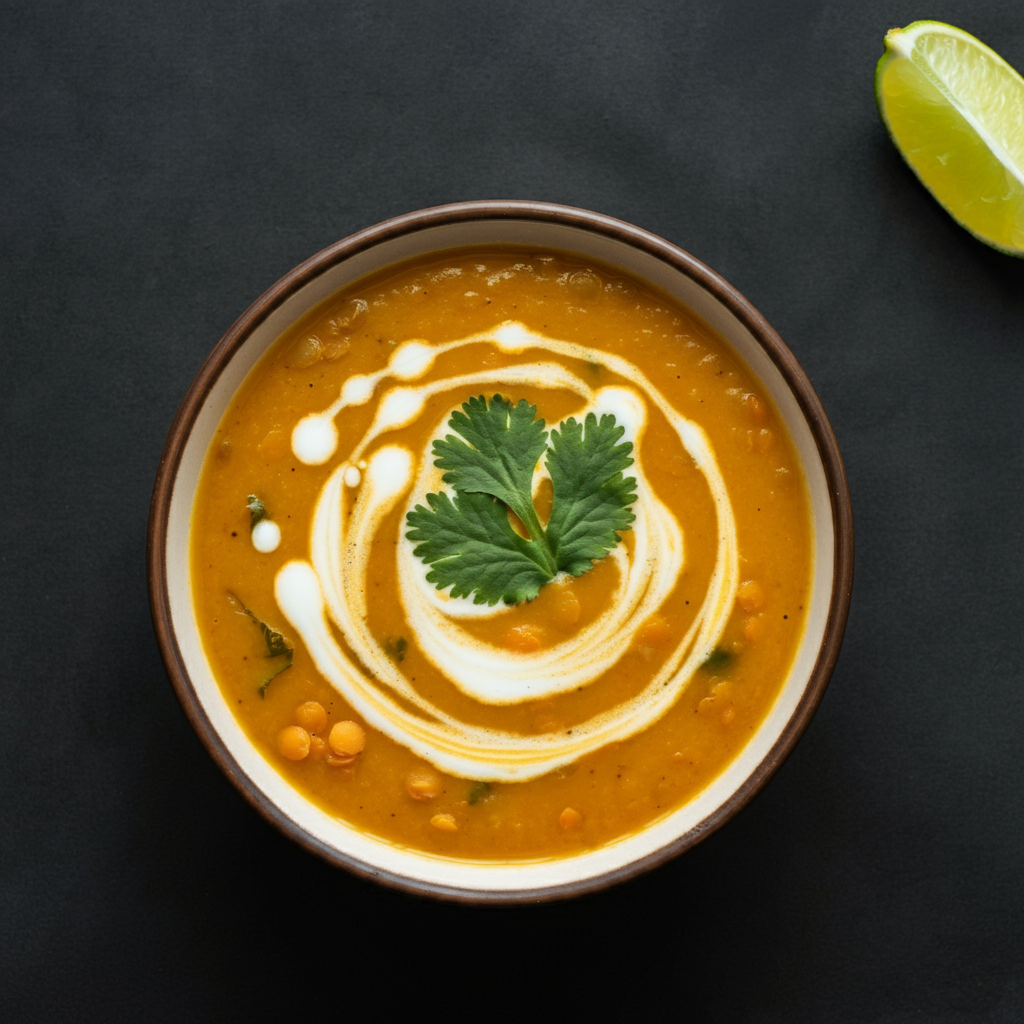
(500, 554)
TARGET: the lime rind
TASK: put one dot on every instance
(955, 111)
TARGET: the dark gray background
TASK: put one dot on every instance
(162, 164)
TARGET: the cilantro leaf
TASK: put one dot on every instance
(397, 648)
(478, 791)
(277, 644)
(718, 658)
(471, 547)
(592, 497)
(507, 442)
(257, 511)
(468, 540)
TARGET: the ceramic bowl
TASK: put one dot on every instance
(483, 223)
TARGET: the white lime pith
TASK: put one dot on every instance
(955, 111)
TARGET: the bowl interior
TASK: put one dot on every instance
(727, 314)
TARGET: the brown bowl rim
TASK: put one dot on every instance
(773, 345)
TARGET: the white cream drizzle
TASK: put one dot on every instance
(314, 439)
(330, 589)
(266, 536)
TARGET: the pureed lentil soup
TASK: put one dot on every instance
(492, 730)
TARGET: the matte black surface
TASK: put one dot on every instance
(161, 165)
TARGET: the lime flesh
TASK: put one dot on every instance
(955, 110)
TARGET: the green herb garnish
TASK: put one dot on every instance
(397, 648)
(257, 510)
(478, 791)
(717, 658)
(469, 542)
(277, 645)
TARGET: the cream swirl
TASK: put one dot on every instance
(331, 588)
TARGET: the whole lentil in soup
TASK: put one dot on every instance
(483, 730)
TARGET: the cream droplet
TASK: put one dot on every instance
(399, 408)
(411, 360)
(390, 470)
(513, 337)
(352, 476)
(357, 389)
(314, 439)
(266, 536)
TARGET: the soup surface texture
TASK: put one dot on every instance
(465, 725)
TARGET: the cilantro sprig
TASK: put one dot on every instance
(468, 541)
(257, 511)
(279, 649)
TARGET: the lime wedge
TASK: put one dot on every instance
(955, 110)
